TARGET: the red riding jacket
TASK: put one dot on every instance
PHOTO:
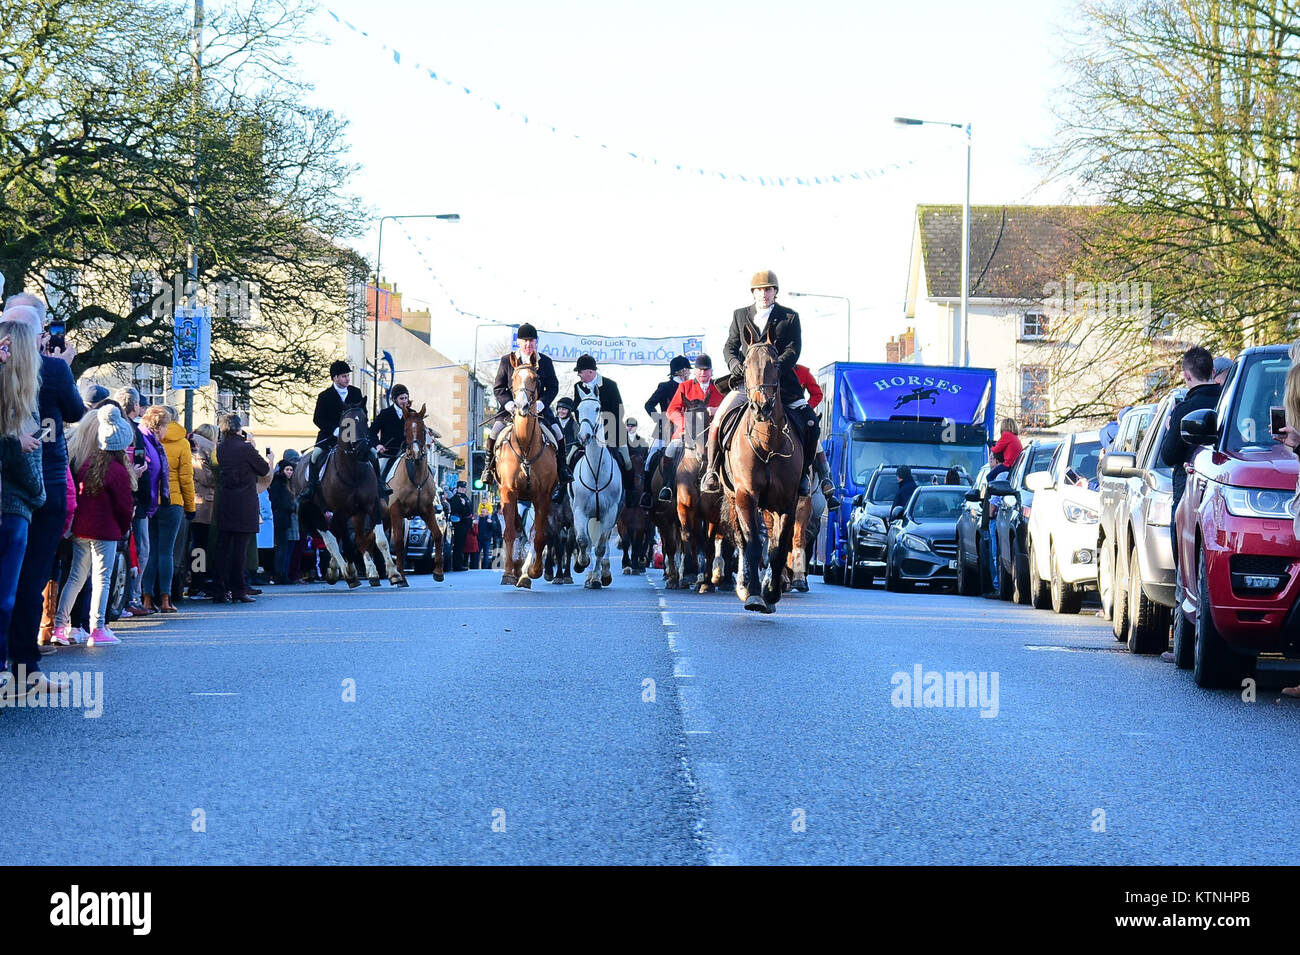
(690, 390)
(809, 383)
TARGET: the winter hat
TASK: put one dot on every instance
(397, 391)
(114, 433)
(93, 394)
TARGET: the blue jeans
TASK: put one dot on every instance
(163, 527)
(13, 545)
(43, 535)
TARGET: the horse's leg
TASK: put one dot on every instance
(689, 559)
(580, 539)
(602, 549)
(336, 555)
(748, 518)
(395, 576)
(541, 511)
(798, 553)
(780, 547)
(397, 542)
(511, 515)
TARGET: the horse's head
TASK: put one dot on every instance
(695, 421)
(525, 385)
(415, 433)
(762, 376)
(354, 433)
(591, 423)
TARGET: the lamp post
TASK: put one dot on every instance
(848, 318)
(446, 217)
(963, 358)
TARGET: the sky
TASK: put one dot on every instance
(565, 230)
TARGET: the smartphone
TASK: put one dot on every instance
(45, 433)
(57, 342)
(139, 457)
(268, 452)
(1277, 419)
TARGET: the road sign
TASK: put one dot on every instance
(191, 349)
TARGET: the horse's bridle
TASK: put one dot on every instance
(581, 422)
(361, 444)
(763, 409)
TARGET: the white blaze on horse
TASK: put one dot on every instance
(597, 494)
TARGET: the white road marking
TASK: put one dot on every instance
(212, 694)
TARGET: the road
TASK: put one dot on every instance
(486, 724)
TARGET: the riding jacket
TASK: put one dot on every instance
(329, 412)
(387, 431)
(550, 384)
(611, 405)
(784, 332)
(690, 390)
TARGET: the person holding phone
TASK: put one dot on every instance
(1202, 392)
(58, 403)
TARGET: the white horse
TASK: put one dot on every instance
(597, 495)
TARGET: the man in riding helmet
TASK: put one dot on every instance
(592, 385)
(388, 430)
(819, 462)
(328, 418)
(679, 370)
(701, 388)
(526, 351)
(763, 321)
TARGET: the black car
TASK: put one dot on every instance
(975, 573)
(1012, 522)
(923, 538)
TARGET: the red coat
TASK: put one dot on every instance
(815, 394)
(1009, 447)
(689, 390)
(104, 516)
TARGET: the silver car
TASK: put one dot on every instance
(1136, 564)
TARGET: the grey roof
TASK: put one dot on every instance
(1015, 250)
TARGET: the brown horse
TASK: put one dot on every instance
(763, 465)
(664, 517)
(634, 531)
(560, 541)
(691, 522)
(349, 491)
(795, 574)
(415, 491)
(526, 472)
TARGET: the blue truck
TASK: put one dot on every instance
(876, 413)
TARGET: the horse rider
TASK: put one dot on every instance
(388, 430)
(819, 462)
(569, 431)
(592, 384)
(328, 417)
(701, 388)
(780, 325)
(679, 370)
(526, 348)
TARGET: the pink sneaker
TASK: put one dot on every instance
(101, 638)
(61, 638)
(78, 635)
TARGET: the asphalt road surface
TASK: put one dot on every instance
(465, 722)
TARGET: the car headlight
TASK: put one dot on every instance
(873, 525)
(1257, 502)
(1160, 508)
(913, 542)
(1078, 514)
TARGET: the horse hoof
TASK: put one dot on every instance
(627, 570)
(756, 603)
(742, 592)
(508, 580)
(557, 580)
(579, 566)
(705, 588)
(606, 580)
(801, 586)
(592, 585)
(438, 577)
(400, 583)
(353, 584)
(549, 575)
(769, 608)
(373, 581)
(524, 583)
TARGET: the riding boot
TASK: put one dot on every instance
(489, 476)
(646, 503)
(823, 469)
(384, 489)
(562, 463)
(313, 476)
(709, 482)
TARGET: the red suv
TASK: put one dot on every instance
(1238, 560)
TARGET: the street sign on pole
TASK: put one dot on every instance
(191, 352)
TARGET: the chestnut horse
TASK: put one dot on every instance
(763, 465)
(415, 491)
(526, 472)
(691, 522)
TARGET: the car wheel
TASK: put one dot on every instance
(1119, 618)
(831, 575)
(1215, 665)
(1106, 578)
(1065, 599)
(1040, 593)
(1184, 638)
(119, 586)
(1148, 621)
(1020, 580)
(963, 585)
(1006, 583)
(892, 583)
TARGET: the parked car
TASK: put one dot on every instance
(868, 521)
(923, 538)
(1063, 525)
(1238, 576)
(1012, 522)
(119, 582)
(1135, 561)
(419, 545)
(976, 571)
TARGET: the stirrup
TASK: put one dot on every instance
(710, 483)
(665, 494)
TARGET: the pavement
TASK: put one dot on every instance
(465, 722)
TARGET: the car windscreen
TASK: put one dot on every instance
(886, 487)
(1083, 462)
(1261, 388)
(937, 505)
(866, 456)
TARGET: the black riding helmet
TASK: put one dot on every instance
(565, 402)
(703, 361)
(680, 363)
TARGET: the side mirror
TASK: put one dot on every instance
(1119, 464)
(1038, 481)
(973, 495)
(1000, 488)
(857, 500)
(1200, 427)
(896, 514)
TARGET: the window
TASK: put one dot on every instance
(234, 397)
(1035, 404)
(150, 382)
(1161, 327)
(63, 293)
(1035, 325)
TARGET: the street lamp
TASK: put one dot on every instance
(963, 358)
(848, 318)
(446, 217)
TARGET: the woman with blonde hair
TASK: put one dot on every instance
(22, 482)
(156, 587)
(1008, 444)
